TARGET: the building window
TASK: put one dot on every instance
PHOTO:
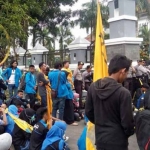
(116, 3)
(88, 56)
(74, 56)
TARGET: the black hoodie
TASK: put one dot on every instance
(142, 121)
(108, 106)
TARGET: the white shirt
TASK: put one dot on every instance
(12, 77)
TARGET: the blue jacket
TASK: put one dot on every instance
(30, 83)
(7, 73)
(62, 88)
(70, 92)
(10, 126)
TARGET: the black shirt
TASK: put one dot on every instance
(38, 135)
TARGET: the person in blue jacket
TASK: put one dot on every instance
(12, 76)
(54, 139)
(30, 85)
(10, 122)
(58, 82)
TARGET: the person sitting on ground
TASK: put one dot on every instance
(40, 129)
(142, 122)
(3, 120)
(139, 96)
(20, 137)
(10, 122)
(18, 104)
(19, 96)
(54, 138)
(5, 141)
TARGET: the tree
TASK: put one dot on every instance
(88, 14)
(142, 7)
(17, 15)
(144, 33)
(43, 36)
(65, 38)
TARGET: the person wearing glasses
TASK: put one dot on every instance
(12, 76)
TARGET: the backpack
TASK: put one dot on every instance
(22, 82)
(143, 129)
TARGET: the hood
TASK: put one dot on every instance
(13, 110)
(106, 87)
(54, 134)
(27, 115)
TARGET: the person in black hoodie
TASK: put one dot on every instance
(40, 129)
(109, 107)
(20, 137)
(142, 121)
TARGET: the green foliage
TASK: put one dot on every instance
(17, 15)
(144, 33)
(142, 7)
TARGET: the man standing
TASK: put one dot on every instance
(87, 77)
(142, 72)
(58, 82)
(30, 85)
(78, 81)
(128, 83)
(42, 81)
(109, 107)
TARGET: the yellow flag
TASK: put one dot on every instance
(100, 57)
(100, 71)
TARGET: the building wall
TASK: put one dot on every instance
(122, 28)
(20, 61)
(77, 55)
(36, 59)
(129, 50)
(143, 21)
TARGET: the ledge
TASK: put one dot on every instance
(123, 40)
(123, 17)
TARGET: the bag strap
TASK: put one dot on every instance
(58, 80)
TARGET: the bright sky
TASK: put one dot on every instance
(76, 31)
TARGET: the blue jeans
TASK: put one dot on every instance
(12, 90)
(44, 101)
(58, 104)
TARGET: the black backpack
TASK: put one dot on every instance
(22, 82)
(143, 129)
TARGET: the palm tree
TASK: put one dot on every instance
(88, 14)
(43, 36)
(144, 33)
(65, 36)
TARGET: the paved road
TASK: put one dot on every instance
(74, 133)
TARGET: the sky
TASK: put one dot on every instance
(76, 31)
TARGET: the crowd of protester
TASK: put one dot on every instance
(118, 104)
(28, 101)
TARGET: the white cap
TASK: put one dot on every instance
(5, 141)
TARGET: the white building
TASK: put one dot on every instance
(143, 21)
